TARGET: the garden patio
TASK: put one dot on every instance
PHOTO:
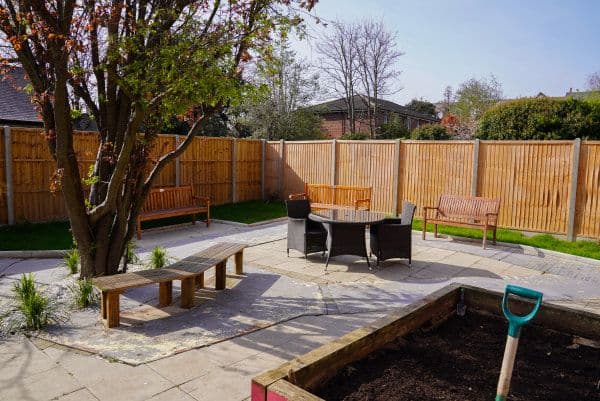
(280, 308)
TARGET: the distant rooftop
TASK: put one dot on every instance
(15, 102)
(577, 94)
(360, 105)
(17, 109)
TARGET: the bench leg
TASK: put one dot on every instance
(495, 236)
(187, 292)
(220, 275)
(435, 234)
(193, 219)
(208, 216)
(103, 309)
(112, 309)
(424, 228)
(138, 229)
(239, 262)
(165, 293)
(485, 230)
(200, 280)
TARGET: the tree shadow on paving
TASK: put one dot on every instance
(202, 237)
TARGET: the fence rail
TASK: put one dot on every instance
(544, 186)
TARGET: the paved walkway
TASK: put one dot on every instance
(283, 307)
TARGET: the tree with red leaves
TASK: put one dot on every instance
(134, 64)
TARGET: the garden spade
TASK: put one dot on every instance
(515, 323)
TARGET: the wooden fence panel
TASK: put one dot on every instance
(271, 169)
(531, 179)
(587, 216)
(206, 164)
(248, 162)
(305, 162)
(368, 164)
(33, 171)
(3, 205)
(430, 168)
(162, 145)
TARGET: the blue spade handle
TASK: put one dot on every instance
(515, 322)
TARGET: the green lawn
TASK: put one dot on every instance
(588, 249)
(56, 235)
(249, 212)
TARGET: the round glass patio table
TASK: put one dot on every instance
(346, 230)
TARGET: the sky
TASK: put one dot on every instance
(530, 46)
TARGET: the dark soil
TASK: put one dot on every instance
(460, 360)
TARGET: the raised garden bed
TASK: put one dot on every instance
(427, 352)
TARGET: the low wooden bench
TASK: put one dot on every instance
(189, 270)
(324, 196)
(464, 211)
(173, 201)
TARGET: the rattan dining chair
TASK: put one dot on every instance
(304, 235)
(392, 238)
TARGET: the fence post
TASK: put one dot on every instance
(10, 195)
(475, 173)
(573, 190)
(233, 171)
(263, 158)
(333, 161)
(396, 175)
(177, 164)
(280, 170)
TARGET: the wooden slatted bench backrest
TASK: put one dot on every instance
(464, 207)
(336, 194)
(167, 198)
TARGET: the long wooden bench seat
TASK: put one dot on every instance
(325, 196)
(170, 202)
(189, 270)
(464, 211)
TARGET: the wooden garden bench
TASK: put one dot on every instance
(189, 270)
(324, 196)
(173, 201)
(464, 211)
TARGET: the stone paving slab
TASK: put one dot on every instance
(283, 308)
(258, 300)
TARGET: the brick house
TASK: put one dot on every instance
(336, 123)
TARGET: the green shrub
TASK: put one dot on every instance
(130, 254)
(430, 132)
(357, 136)
(71, 260)
(541, 118)
(158, 257)
(393, 129)
(84, 294)
(36, 309)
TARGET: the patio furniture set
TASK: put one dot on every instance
(318, 223)
(329, 219)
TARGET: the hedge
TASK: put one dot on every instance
(430, 131)
(541, 118)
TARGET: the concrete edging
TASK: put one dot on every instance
(43, 254)
(257, 224)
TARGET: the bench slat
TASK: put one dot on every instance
(141, 278)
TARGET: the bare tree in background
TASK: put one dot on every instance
(447, 101)
(337, 51)
(593, 81)
(377, 56)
